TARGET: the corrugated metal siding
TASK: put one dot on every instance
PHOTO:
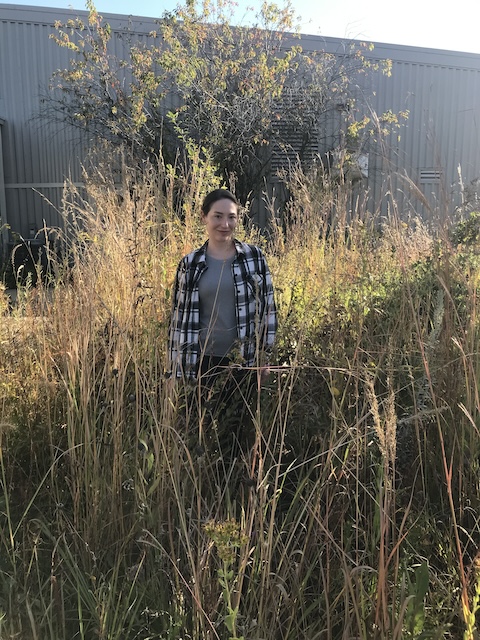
(39, 156)
(36, 153)
(441, 132)
(3, 203)
(441, 90)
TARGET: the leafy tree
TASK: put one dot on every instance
(112, 98)
(246, 94)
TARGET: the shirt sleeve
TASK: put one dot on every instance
(270, 318)
(177, 318)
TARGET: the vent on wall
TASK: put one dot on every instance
(430, 175)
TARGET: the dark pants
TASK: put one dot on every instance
(222, 408)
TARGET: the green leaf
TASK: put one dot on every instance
(421, 582)
(230, 620)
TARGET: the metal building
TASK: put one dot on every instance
(422, 167)
(37, 156)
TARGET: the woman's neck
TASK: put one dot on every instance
(221, 251)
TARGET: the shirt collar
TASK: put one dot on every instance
(202, 252)
(239, 246)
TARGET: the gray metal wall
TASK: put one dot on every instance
(440, 89)
(38, 156)
(438, 147)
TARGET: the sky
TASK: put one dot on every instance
(438, 25)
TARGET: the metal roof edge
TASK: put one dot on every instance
(397, 52)
(381, 50)
(48, 15)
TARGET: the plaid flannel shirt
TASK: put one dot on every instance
(254, 307)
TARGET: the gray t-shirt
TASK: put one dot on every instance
(218, 322)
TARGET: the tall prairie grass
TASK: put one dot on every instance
(355, 512)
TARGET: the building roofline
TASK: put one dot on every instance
(381, 50)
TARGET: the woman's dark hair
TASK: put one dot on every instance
(214, 196)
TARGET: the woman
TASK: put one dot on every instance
(223, 314)
(223, 302)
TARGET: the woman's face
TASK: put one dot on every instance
(221, 221)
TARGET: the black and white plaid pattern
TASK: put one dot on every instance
(254, 302)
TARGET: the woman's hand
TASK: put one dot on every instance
(264, 372)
